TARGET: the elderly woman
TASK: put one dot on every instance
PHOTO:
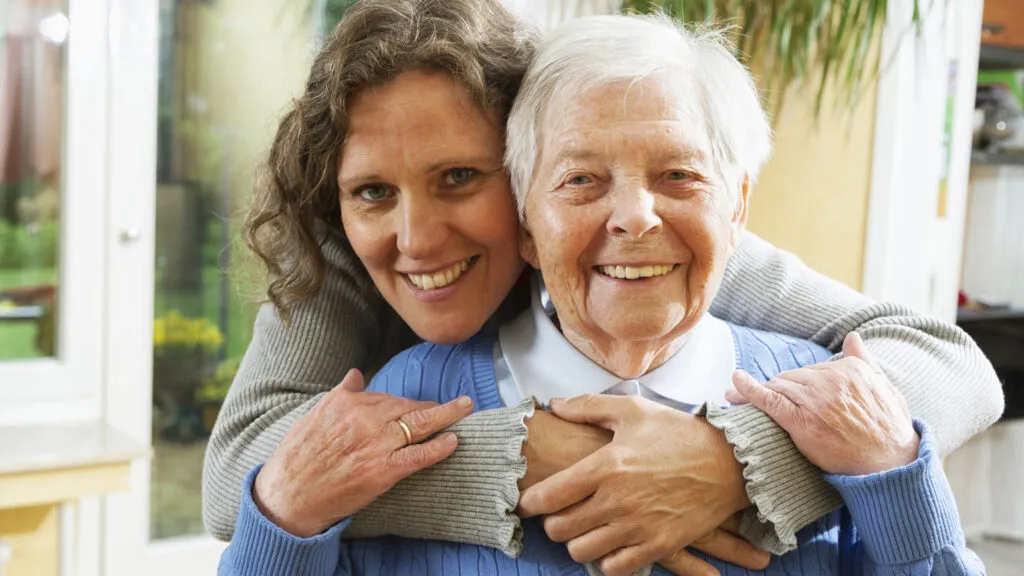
(633, 202)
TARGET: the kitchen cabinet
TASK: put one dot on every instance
(1003, 23)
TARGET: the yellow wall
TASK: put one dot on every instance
(812, 197)
(248, 59)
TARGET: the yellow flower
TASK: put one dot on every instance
(173, 329)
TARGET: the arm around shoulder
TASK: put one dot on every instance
(946, 379)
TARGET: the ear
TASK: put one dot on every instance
(527, 247)
(739, 216)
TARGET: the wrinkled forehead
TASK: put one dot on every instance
(660, 113)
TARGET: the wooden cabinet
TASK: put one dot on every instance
(1003, 22)
(45, 467)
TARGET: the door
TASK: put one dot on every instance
(197, 88)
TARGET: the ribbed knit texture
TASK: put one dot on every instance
(945, 377)
(908, 513)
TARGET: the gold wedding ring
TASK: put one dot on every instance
(405, 428)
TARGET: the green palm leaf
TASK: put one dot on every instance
(790, 42)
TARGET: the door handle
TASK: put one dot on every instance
(129, 236)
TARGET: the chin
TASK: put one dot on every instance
(442, 332)
(638, 331)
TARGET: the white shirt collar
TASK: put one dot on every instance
(545, 365)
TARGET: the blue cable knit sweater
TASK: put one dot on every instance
(903, 521)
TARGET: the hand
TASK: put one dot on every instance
(844, 416)
(723, 543)
(552, 445)
(348, 450)
(666, 479)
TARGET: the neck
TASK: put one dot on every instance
(630, 359)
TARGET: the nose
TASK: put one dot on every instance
(633, 213)
(422, 225)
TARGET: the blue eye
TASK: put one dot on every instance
(457, 176)
(579, 181)
(372, 193)
(678, 175)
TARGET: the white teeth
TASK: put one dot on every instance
(441, 278)
(633, 272)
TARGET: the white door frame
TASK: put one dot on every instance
(68, 387)
(911, 255)
(134, 50)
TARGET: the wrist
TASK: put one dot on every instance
(732, 470)
(272, 500)
(899, 457)
(553, 444)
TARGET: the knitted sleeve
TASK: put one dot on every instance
(945, 377)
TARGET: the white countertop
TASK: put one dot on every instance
(44, 447)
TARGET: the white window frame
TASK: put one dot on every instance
(68, 387)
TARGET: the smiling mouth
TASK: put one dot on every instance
(442, 278)
(635, 272)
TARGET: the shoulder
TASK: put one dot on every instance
(764, 354)
(435, 372)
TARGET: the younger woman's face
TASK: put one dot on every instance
(426, 205)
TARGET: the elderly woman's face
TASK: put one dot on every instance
(426, 205)
(627, 217)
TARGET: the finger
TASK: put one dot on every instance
(808, 375)
(425, 423)
(733, 396)
(797, 393)
(598, 543)
(775, 405)
(733, 549)
(854, 347)
(682, 563)
(564, 488)
(575, 520)
(597, 409)
(416, 457)
(353, 381)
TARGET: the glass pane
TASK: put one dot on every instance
(32, 60)
(227, 71)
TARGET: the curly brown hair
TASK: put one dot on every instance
(478, 42)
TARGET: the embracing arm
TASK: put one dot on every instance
(287, 370)
(906, 518)
(945, 377)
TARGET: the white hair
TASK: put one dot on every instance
(586, 53)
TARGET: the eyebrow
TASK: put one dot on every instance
(577, 154)
(433, 167)
(687, 153)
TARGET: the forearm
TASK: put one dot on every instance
(906, 518)
(947, 380)
(786, 491)
(248, 431)
(470, 497)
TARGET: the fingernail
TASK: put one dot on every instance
(464, 402)
(449, 438)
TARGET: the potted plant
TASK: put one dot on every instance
(185, 352)
(211, 394)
